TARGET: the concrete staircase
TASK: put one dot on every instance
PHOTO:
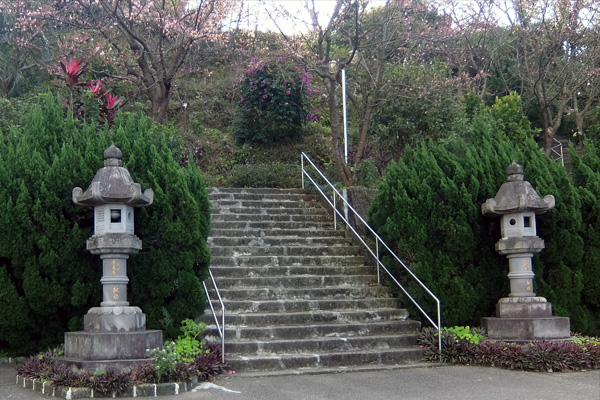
(298, 295)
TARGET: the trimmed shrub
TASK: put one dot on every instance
(48, 280)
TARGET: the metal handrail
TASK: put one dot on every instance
(220, 328)
(559, 153)
(378, 242)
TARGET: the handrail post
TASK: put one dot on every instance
(334, 212)
(302, 165)
(377, 256)
(220, 329)
(439, 316)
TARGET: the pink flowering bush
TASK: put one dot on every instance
(273, 102)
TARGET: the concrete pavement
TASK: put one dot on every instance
(447, 382)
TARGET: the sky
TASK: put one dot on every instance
(258, 17)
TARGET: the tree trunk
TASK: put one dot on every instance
(159, 98)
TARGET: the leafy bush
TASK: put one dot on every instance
(272, 103)
(580, 353)
(48, 280)
(185, 358)
(367, 173)
(508, 114)
(110, 381)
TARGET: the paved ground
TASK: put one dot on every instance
(451, 382)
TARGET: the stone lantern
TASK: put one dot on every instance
(522, 315)
(115, 335)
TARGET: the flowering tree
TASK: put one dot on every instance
(24, 43)
(547, 50)
(144, 41)
(364, 43)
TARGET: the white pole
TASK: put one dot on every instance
(345, 115)
(345, 191)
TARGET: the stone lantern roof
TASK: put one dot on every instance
(113, 184)
(516, 196)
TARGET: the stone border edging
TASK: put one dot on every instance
(144, 390)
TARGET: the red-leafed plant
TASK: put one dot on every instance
(73, 69)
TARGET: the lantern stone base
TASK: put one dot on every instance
(523, 307)
(121, 351)
(524, 319)
(114, 319)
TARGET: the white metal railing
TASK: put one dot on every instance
(379, 243)
(557, 151)
(221, 327)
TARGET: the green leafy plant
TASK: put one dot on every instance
(471, 335)
(187, 347)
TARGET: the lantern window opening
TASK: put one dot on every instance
(115, 216)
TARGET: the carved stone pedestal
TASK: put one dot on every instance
(524, 319)
(115, 338)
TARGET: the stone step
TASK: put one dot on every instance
(315, 317)
(282, 233)
(261, 204)
(237, 272)
(306, 331)
(295, 281)
(315, 217)
(319, 345)
(257, 261)
(268, 210)
(272, 198)
(263, 191)
(284, 306)
(329, 240)
(237, 251)
(272, 225)
(326, 293)
(325, 360)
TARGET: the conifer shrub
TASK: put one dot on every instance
(48, 280)
(586, 177)
(428, 209)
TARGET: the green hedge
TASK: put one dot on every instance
(48, 280)
(429, 210)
